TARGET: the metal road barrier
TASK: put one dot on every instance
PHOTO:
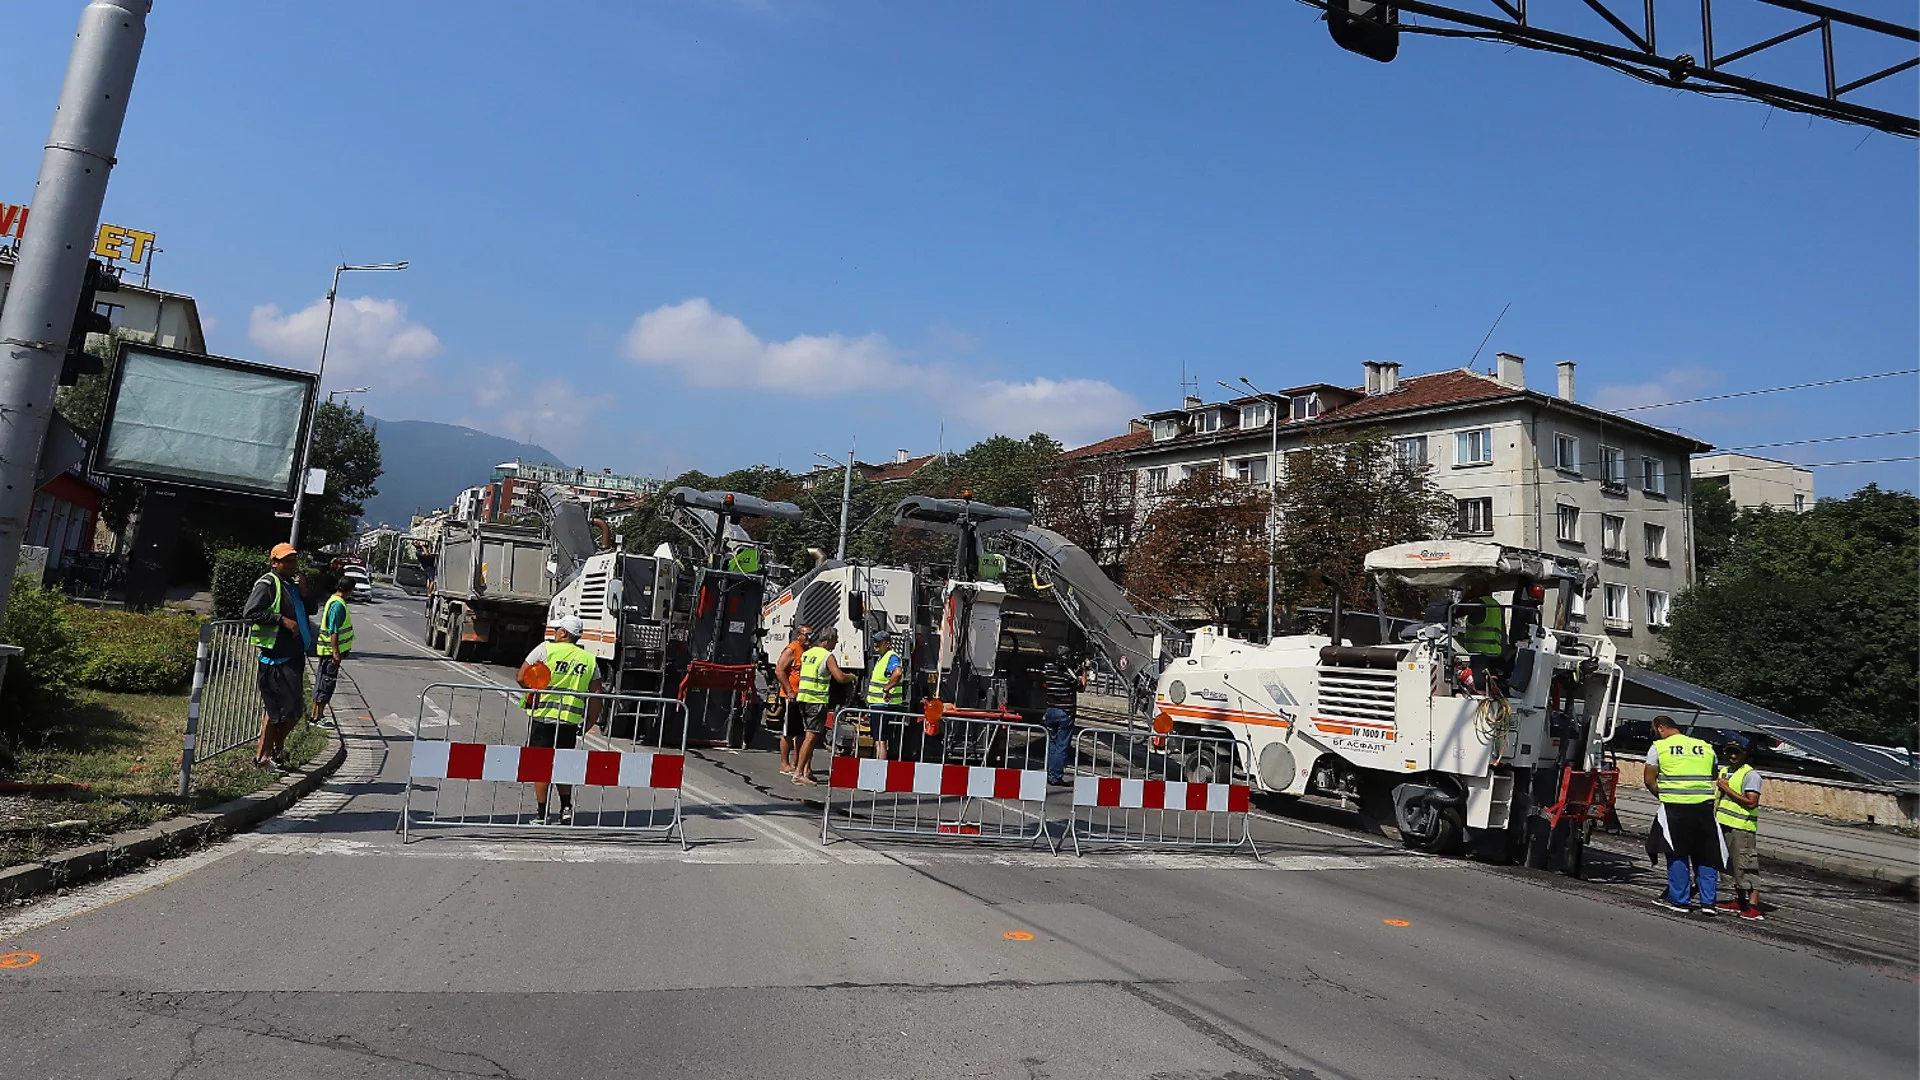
(224, 710)
(1159, 791)
(471, 764)
(981, 777)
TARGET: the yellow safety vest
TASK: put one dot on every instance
(1485, 633)
(1686, 770)
(344, 631)
(1732, 814)
(877, 684)
(265, 635)
(815, 680)
(571, 669)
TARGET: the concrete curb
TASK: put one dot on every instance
(126, 850)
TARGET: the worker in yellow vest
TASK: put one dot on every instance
(887, 689)
(818, 672)
(336, 641)
(560, 671)
(1680, 772)
(1738, 813)
(277, 617)
(1485, 633)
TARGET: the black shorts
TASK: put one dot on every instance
(560, 736)
(790, 719)
(325, 679)
(813, 717)
(283, 691)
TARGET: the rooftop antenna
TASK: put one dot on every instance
(1489, 337)
(1189, 385)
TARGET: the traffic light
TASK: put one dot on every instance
(87, 321)
(1366, 27)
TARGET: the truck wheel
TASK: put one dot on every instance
(456, 649)
(433, 623)
(1201, 766)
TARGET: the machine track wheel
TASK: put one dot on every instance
(1202, 765)
(1447, 839)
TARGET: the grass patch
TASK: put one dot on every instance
(125, 750)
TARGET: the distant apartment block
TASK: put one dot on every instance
(1754, 482)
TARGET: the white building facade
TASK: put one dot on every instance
(1753, 482)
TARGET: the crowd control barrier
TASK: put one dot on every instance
(472, 764)
(978, 777)
(224, 710)
(1159, 791)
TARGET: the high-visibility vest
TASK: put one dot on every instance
(343, 631)
(1686, 770)
(1732, 814)
(1485, 632)
(815, 680)
(877, 684)
(266, 635)
(571, 669)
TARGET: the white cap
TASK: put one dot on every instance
(571, 624)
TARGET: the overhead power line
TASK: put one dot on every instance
(1772, 390)
(1809, 442)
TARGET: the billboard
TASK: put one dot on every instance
(203, 421)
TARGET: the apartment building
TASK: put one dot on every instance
(1753, 482)
(1525, 468)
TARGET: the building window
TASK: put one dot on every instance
(1165, 429)
(1656, 543)
(1566, 454)
(1411, 451)
(1306, 408)
(1569, 522)
(1209, 421)
(1613, 467)
(1473, 447)
(1799, 502)
(1658, 606)
(1616, 609)
(1577, 605)
(1613, 536)
(1187, 471)
(1255, 415)
(1653, 476)
(1476, 517)
(115, 313)
(1251, 469)
(1156, 481)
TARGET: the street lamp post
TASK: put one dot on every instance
(349, 390)
(1274, 404)
(326, 338)
(846, 497)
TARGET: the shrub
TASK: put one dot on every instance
(234, 572)
(40, 680)
(134, 653)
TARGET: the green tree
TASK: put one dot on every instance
(1714, 516)
(1202, 551)
(347, 447)
(1094, 502)
(1346, 495)
(1813, 615)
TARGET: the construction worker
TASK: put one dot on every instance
(1485, 633)
(786, 680)
(560, 670)
(281, 633)
(1738, 812)
(336, 641)
(818, 672)
(1064, 681)
(1680, 772)
(887, 689)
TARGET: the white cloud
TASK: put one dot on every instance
(551, 412)
(1071, 410)
(372, 339)
(1677, 384)
(712, 349)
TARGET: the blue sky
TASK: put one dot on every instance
(666, 235)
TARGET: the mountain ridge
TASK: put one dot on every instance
(425, 465)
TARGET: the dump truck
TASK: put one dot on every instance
(491, 591)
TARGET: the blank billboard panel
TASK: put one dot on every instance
(203, 421)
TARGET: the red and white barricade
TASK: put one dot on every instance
(472, 763)
(1159, 791)
(979, 777)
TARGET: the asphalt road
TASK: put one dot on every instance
(320, 946)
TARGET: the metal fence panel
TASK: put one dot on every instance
(224, 711)
(979, 777)
(1160, 791)
(472, 764)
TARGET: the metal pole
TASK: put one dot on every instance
(1274, 404)
(846, 497)
(306, 445)
(189, 747)
(67, 197)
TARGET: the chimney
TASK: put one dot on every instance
(899, 457)
(1137, 427)
(1191, 402)
(1511, 370)
(1566, 379)
(1383, 377)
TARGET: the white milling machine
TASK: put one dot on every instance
(1506, 752)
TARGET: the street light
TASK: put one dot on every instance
(344, 393)
(1275, 402)
(326, 338)
(846, 496)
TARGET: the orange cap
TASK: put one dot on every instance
(281, 551)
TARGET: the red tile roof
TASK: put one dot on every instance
(1132, 440)
(899, 470)
(1421, 391)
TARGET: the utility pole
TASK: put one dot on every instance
(53, 258)
(1275, 403)
(846, 499)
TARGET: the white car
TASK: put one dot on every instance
(359, 585)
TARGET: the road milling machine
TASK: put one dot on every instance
(1506, 753)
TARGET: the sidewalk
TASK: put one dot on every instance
(1809, 843)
